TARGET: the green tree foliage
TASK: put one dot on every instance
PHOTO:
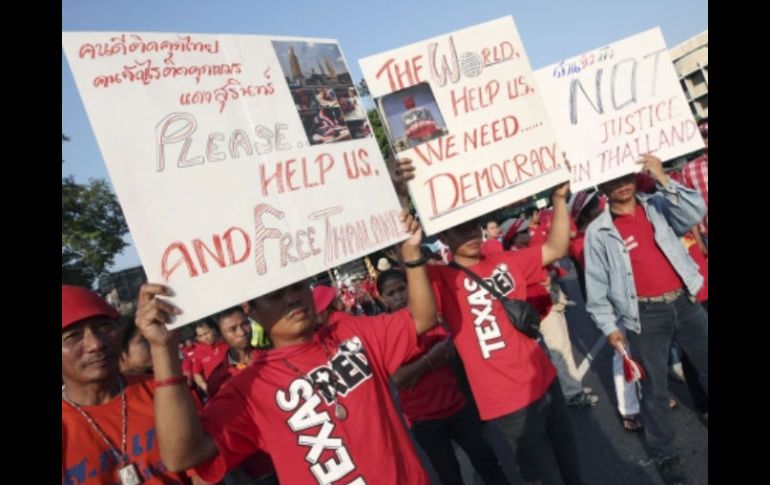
(92, 230)
(379, 132)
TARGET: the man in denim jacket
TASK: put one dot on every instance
(639, 276)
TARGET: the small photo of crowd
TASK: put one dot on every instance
(326, 99)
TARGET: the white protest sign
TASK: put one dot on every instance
(612, 104)
(238, 160)
(464, 108)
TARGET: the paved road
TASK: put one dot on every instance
(609, 454)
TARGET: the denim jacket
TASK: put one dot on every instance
(610, 286)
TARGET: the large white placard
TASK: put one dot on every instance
(464, 107)
(614, 103)
(242, 163)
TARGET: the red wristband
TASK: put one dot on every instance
(171, 381)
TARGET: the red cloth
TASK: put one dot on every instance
(86, 459)
(695, 175)
(539, 234)
(208, 357)
(259, 464)
(703, 266)
(645, 183)
(577, 249)
(506, 369)
(222, 373)
(435, 395)
(491, 246)
(323, 296)
(188, 357)
(539, 297)
(653, 274)
(270, 407)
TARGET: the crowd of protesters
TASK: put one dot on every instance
(297, 386)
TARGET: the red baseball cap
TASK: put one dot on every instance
(78, 303)
(323, 296)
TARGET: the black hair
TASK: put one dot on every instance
(226, 313)
(387, 275)
(127, 332)
(208, 323)
(584, 216)
(484, 222)
(187, 333)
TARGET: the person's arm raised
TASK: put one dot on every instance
(421, 303)
(558, 240)
(183, 442)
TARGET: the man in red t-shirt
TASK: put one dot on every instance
(187, 354)
(432, 402)
(235, 328)
(108, 430)
(319, 402)
(640, 276)
(209, 353)
(510, 375)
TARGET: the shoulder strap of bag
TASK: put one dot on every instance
(478, 279)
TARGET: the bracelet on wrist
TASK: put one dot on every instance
(171, 381)
(416, 263)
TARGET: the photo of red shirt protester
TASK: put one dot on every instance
(319, 402)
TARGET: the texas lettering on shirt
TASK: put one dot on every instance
(351, 368)
(480, 302)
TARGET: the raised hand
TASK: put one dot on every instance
(153, 313)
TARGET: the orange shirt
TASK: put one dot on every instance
(87, 460)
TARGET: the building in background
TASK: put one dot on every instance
(121, 288)
(691, 61)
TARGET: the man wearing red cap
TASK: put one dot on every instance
(108, 429)
(323, 297)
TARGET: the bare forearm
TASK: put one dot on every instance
(409, 373)
(201, 382)
(183, 443)
(421, 302)
(558, 240)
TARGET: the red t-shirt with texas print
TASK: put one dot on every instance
(272, 407)
(506, 369)
(435, 395)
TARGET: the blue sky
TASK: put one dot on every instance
(550, 30)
